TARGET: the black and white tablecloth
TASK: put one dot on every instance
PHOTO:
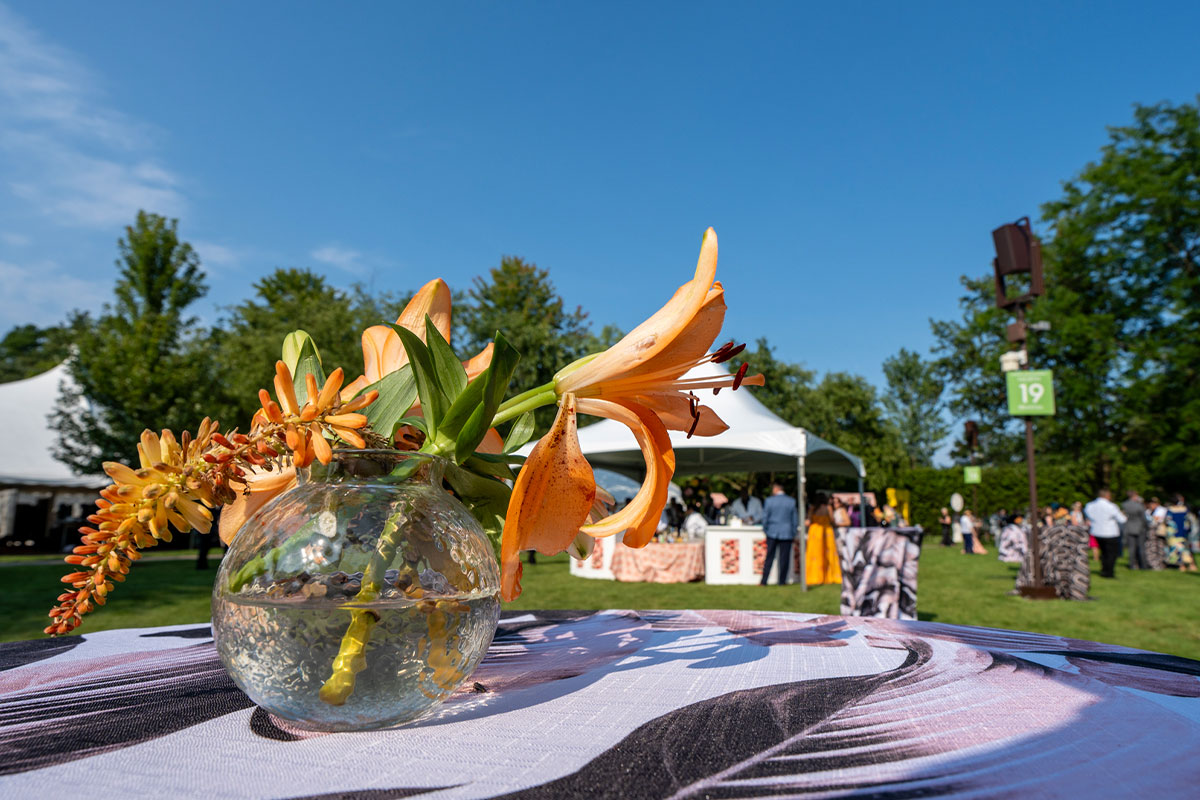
(623, 704)
(879, 571)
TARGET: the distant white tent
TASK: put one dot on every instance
(757, 441)
(28, 471)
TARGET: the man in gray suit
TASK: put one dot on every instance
(1135, 530)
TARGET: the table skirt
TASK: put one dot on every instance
(680, 562)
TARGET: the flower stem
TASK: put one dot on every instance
(352, 655)
(523, 396)
(542, 396)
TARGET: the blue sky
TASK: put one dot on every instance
(853, 157)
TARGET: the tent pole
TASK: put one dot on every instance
(803, 532)
(862, 504)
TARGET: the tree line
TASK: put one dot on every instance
(1122, 254)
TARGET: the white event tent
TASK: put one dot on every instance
(757, 441)
(29, 474)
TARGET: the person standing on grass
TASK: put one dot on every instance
(781, 522)
(1106, 521)
(947, 524)
(1179, 533)
(967, 523)
(1135, 529)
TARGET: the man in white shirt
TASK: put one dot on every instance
(1106, 519)
(746, 508)
(966, 524)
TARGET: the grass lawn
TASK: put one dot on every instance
(1157, 611)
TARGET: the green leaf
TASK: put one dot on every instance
(449, 369)
(293, 346)
(495, 383)
(461, 408)
(397, 393)
(498, 458)
(486, 466)
(520, 433)
(308, 362)
(429, 388)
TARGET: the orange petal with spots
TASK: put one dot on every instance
(551, 499)
(640, 518)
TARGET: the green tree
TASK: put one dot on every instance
(28, 350)
(249, 338)
(1122, 255)
(1126, 255)
(519, 299)
(139, 364)
(913, 402)
(843, 409)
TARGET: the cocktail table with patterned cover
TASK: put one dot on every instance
(628, 704)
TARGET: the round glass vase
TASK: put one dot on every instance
(359, 599)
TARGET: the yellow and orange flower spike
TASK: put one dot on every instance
(180, 480)
(304, 427)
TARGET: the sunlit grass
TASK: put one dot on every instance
(1157, 611)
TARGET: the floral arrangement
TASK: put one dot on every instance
(416, 394)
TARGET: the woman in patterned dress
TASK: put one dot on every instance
(1178, 534)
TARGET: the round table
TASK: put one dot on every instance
(628, 704)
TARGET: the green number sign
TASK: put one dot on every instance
(1031, 393)
(972, 474)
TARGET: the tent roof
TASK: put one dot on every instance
(757, 441)
(25, 458)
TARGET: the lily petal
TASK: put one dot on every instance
(692, 341)
(433, 300)
(550, 501)
(354, 387)
(479, 362)
(374, 345)
(640, 518)
(264, 487)
(492, 444)
(675, 410)
(658, 332)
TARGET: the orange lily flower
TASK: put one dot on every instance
(383, 353)
(638, 382)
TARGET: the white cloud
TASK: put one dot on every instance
(341, 257)
(213, 255)
(15, 239)
(62, 150)
(42, 294)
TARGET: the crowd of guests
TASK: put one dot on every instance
(1154, 535)
(1139, 527)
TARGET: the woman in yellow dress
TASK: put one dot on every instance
(821, 557)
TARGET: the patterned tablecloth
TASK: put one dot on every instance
(679, 562)
(621, 704)
(879, 571)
